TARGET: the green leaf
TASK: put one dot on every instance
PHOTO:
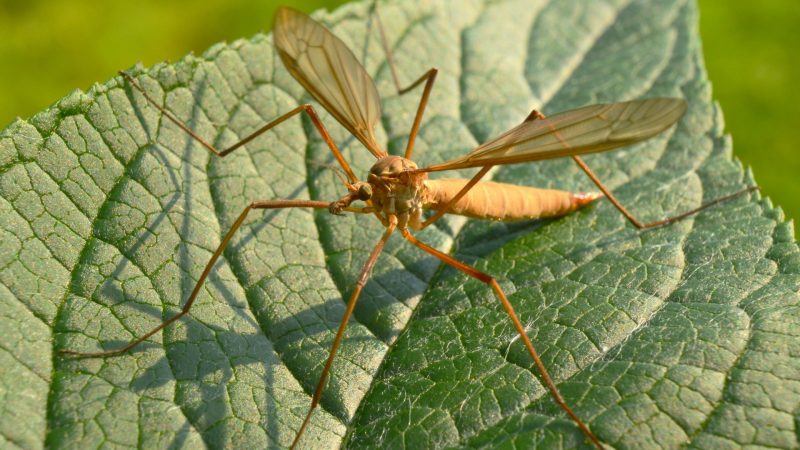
(684, 335)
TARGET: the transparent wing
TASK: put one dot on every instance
(589, 129)
(330, 72)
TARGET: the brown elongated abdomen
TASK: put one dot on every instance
(501, 201)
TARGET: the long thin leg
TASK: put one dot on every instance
(443, 209)
(259, 204)
(307, 108)
(351, 304)
(536, 115)
(429, 77)
(488, 279)
(656, 223)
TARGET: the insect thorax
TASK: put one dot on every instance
(397, 189)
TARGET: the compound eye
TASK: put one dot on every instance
(365, 192)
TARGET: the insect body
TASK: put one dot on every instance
(501, 201)
(399, 188)
(397, 191)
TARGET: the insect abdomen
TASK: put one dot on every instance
(500, 201)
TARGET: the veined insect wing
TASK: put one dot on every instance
(330, 72)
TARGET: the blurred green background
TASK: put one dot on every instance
(49, 48)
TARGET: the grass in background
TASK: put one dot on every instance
(752, 60)
(50, 47)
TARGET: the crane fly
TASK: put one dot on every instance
(397, 191)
